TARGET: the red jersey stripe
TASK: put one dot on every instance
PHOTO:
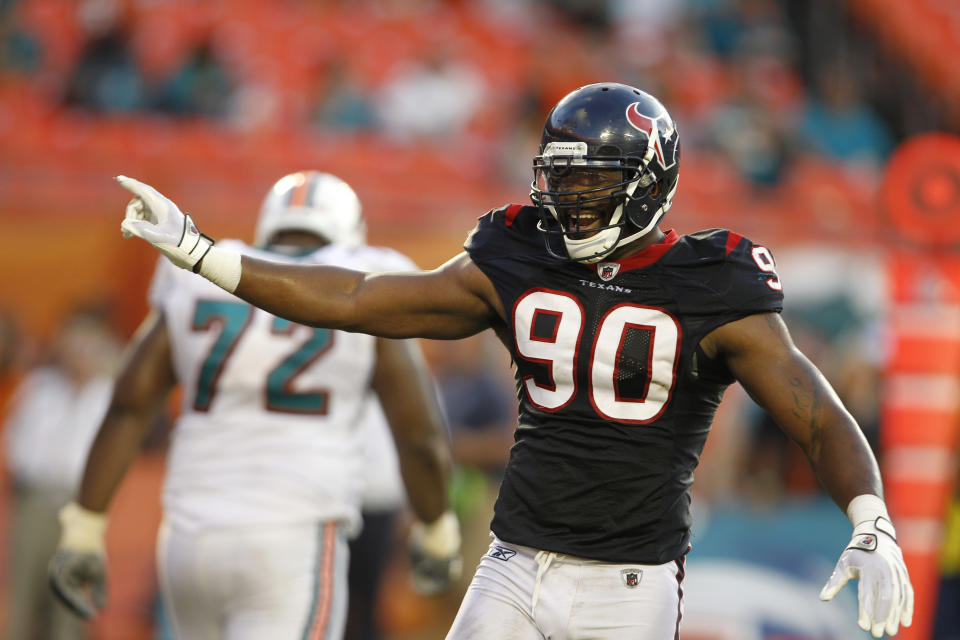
(511, 213)
(321, 616)
(733, 239)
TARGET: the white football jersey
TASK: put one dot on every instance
(382, 485)
(268, 429)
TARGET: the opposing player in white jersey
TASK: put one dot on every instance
(265, 466)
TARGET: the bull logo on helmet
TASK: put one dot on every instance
(659, 130)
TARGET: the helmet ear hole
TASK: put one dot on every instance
(609, 150)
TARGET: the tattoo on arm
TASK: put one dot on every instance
(773, 321)
(807, 400)
(806, 407)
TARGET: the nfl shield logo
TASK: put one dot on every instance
(607, 270)
(631, 577)
(866, 542)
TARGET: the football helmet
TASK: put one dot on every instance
(312, 201)
(607, 151)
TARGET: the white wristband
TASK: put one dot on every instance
(440, 538)
(222, 268)
(82, 529)
(866, 508)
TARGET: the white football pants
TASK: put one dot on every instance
(282, 583)
(519, 593)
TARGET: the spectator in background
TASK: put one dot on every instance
(106, 77)
(593, 17)
(54, 417)
(754, 127)
(20, 50)
(202, 86)
(435, 97)
(655, 23)
(840, 125)
(343, 103)
(752, 140)
(723, 25)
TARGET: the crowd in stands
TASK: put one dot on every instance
(757, 81)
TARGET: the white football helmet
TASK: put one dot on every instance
(312, 201)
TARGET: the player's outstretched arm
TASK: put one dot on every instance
(409, 400)
(454, 301)
(77, 571)
(445, 303)
(761, 355)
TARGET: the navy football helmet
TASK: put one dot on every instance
(607, 151)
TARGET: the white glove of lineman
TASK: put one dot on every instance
(79, 562)
(435, 560)
(154, 218)
(885, 594)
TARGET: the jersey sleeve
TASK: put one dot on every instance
(720, 276)
(509, 231)
(754, 286)
(478, 243)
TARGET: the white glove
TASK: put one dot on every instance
(154, 218)
(79, 561)
(435, 560)
(885, 594)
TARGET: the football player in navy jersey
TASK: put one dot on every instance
(624, 338)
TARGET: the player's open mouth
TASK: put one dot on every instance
(580, 225)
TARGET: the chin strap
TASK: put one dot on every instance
(622, 242)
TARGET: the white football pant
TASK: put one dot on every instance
(520, 593)
(282, 583)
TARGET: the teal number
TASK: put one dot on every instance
(280, 393)
(233, 318)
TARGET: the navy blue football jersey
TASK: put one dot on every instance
(616, 399)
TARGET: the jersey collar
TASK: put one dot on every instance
(646, 257)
